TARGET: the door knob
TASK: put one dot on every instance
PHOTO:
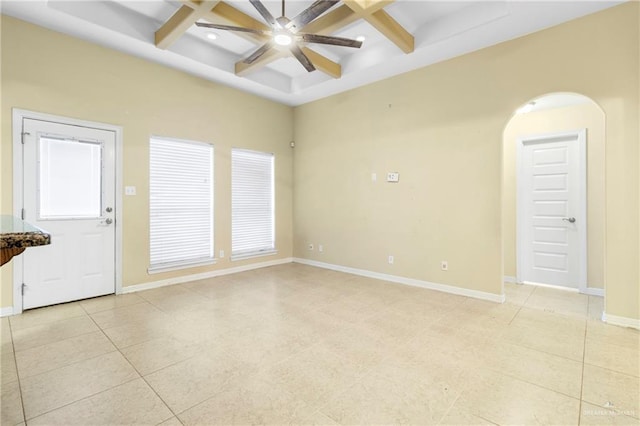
(569, 219)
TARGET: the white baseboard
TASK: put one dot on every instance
(591, 291)
(202, 276)
(509, 279)
(621, 321)
(499, 298)
(6, 312)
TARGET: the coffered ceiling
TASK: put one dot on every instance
(398, 36)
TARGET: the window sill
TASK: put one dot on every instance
(176, 267)
(251, 255)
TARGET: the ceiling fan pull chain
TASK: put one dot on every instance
(283, 14)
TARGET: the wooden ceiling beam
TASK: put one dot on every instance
(323, 63)
(242, 68)
(367, 7)
(373, 12)
(232, 16)
(332, 21)
(391, 29)
(180, 21)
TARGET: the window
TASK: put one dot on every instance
(181, 204)
(70, 178)
(252, 204)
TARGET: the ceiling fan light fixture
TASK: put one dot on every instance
(282, 39)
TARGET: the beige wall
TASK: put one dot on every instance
(53, 73)
(586, 116)
(441, 128)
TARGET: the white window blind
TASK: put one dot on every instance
(252, 204)
(181, 203)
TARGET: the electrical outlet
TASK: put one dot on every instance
(391, 260)
(374, 177)
(129, 190)
(310, 247)
(320, 248)
(221, 254)
(444, 265)
(393, 177)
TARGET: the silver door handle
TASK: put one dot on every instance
(569, 219)
(108, 221)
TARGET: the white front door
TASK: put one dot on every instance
(552, 209)
(69, 191)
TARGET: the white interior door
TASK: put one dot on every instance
(552, 209)
(69, 191)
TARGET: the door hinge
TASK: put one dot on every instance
(23, 134)
(23, 214)
(23, 287)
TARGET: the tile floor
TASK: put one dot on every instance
(294, 344)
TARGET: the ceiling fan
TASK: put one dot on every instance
(285, 31)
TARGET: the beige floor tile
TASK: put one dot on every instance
(48, 315)
(173, 421)
(258, 349)
(10, 404)
(517, 294)
(558, 301)
(127, 404)
(315, 375)
(318, 419)
(505, 400)
(174, 299)
(136, 332)
(623, 359)
(41, 359)
(5, 331)
(71, 383)
(156, 354)
(349, 310)
(607, 334)
(128, 314)
(362, 349)
(546, 332)
(606, 388)
(298, 344)
(594, 415)
(248, 401)
(8, 370)
(457, 416)
(546, 370)
(385, 399)
(43, 334)
(112, 301)
(189, 382)
(596, 307)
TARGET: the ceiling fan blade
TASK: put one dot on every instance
(309, 14)
(334, 41)
(258, 53)
(231, 28)
(300, 56)
(268, 17)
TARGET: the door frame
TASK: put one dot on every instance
(18, 115)
(577, 136)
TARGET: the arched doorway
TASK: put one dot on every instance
(553, 234)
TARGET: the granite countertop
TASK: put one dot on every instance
(15, 233)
